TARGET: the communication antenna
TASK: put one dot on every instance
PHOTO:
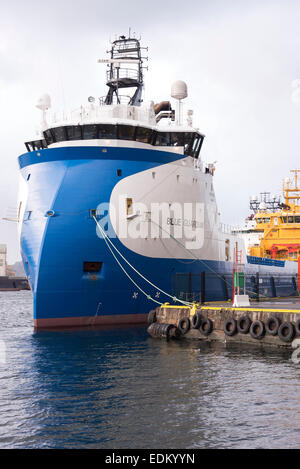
(125, 70)
(179, 92)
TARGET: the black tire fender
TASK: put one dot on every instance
(196, 320)
(244, 324)
(206, 326)
(286, 332)
(257, 330)
(272, 325)
(230, 327)
(184, 325)
(151, 317)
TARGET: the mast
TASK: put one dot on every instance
(292, 192)
(125, 71)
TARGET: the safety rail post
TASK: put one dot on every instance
(273, 284)
(299, 274)
(257, 286)
(202, 297)
(189, 286)
(225, 288)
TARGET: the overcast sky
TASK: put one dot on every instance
(240, 60)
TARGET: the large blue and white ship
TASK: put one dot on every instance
(117, 211)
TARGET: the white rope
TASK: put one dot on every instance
(106, 238)
(131, 279)
(203, 262)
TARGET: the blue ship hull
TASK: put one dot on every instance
(71, 181)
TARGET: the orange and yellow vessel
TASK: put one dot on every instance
(278, 223)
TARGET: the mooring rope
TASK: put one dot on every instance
(108, 240)
(203, 262)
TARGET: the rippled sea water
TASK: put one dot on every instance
(122, 389)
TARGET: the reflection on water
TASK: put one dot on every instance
(122, 389)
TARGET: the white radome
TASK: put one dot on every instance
(44, 102)
(179, 90)
(262, 206)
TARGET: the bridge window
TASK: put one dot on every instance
(162, 139)
(191, 142)
(143, 135)
(126, 132)
(177, 139)
(89, 132)
(48, 136)
(74, 132)
(107, 131)
(59, 134)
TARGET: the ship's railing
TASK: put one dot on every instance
(226, 229)
(123, 99)
(122, 73)
(11, 214)
(207, 286)
(95, 112)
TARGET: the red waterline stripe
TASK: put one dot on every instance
(117, 319)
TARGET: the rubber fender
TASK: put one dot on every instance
(184, 325)
(196, 320)
(257, 330)
(244, 324)
(162, 330)
(151, 317)
(206, 326)
(286, 332)
(297, 326)
(272, 325)
(230, 327)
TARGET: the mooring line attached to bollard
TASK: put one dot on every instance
(108, 240)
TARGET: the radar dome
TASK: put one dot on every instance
(179, 90)
(262, 206)
(44, 102)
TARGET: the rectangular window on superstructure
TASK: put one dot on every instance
(143, 135)
(188, 142)
(177, 139)
(196, 146)
(48, 136)
(297, 219)
(89, 132)
(126, 132)
(107, 131)
(162, 139)
(59, 134)
(74, 132)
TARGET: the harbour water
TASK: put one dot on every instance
(120, 388)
